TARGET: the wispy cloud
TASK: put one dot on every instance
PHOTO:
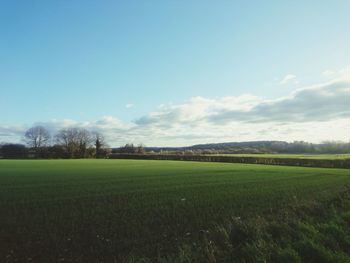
(328, 73)
(289, 78)
(129, 105)
(337, 73)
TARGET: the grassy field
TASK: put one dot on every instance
(299, 156)
(171, 211)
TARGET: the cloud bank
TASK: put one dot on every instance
(316, 113)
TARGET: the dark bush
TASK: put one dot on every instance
(14, 151)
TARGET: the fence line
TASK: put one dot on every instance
(323, 163)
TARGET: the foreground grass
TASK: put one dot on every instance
(128, 210)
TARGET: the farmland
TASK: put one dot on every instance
(128, 210)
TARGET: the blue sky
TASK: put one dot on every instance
(86, 62)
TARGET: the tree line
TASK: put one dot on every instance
(66, 143)
(83, 143)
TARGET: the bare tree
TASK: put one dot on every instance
(65, 137)
(37, 137)
(85, 140)
(75, 141)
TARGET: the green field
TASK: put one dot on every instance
(171, 211)
(298, 156)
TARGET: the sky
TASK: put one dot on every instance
(174, 73)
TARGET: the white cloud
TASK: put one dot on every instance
(129, 105)
(317, 103)
(288, 79)
(315, 114)
(328, 73)
(343, 73)
(297, 116)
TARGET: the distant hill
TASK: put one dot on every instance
(229, 145)
(252, 146)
